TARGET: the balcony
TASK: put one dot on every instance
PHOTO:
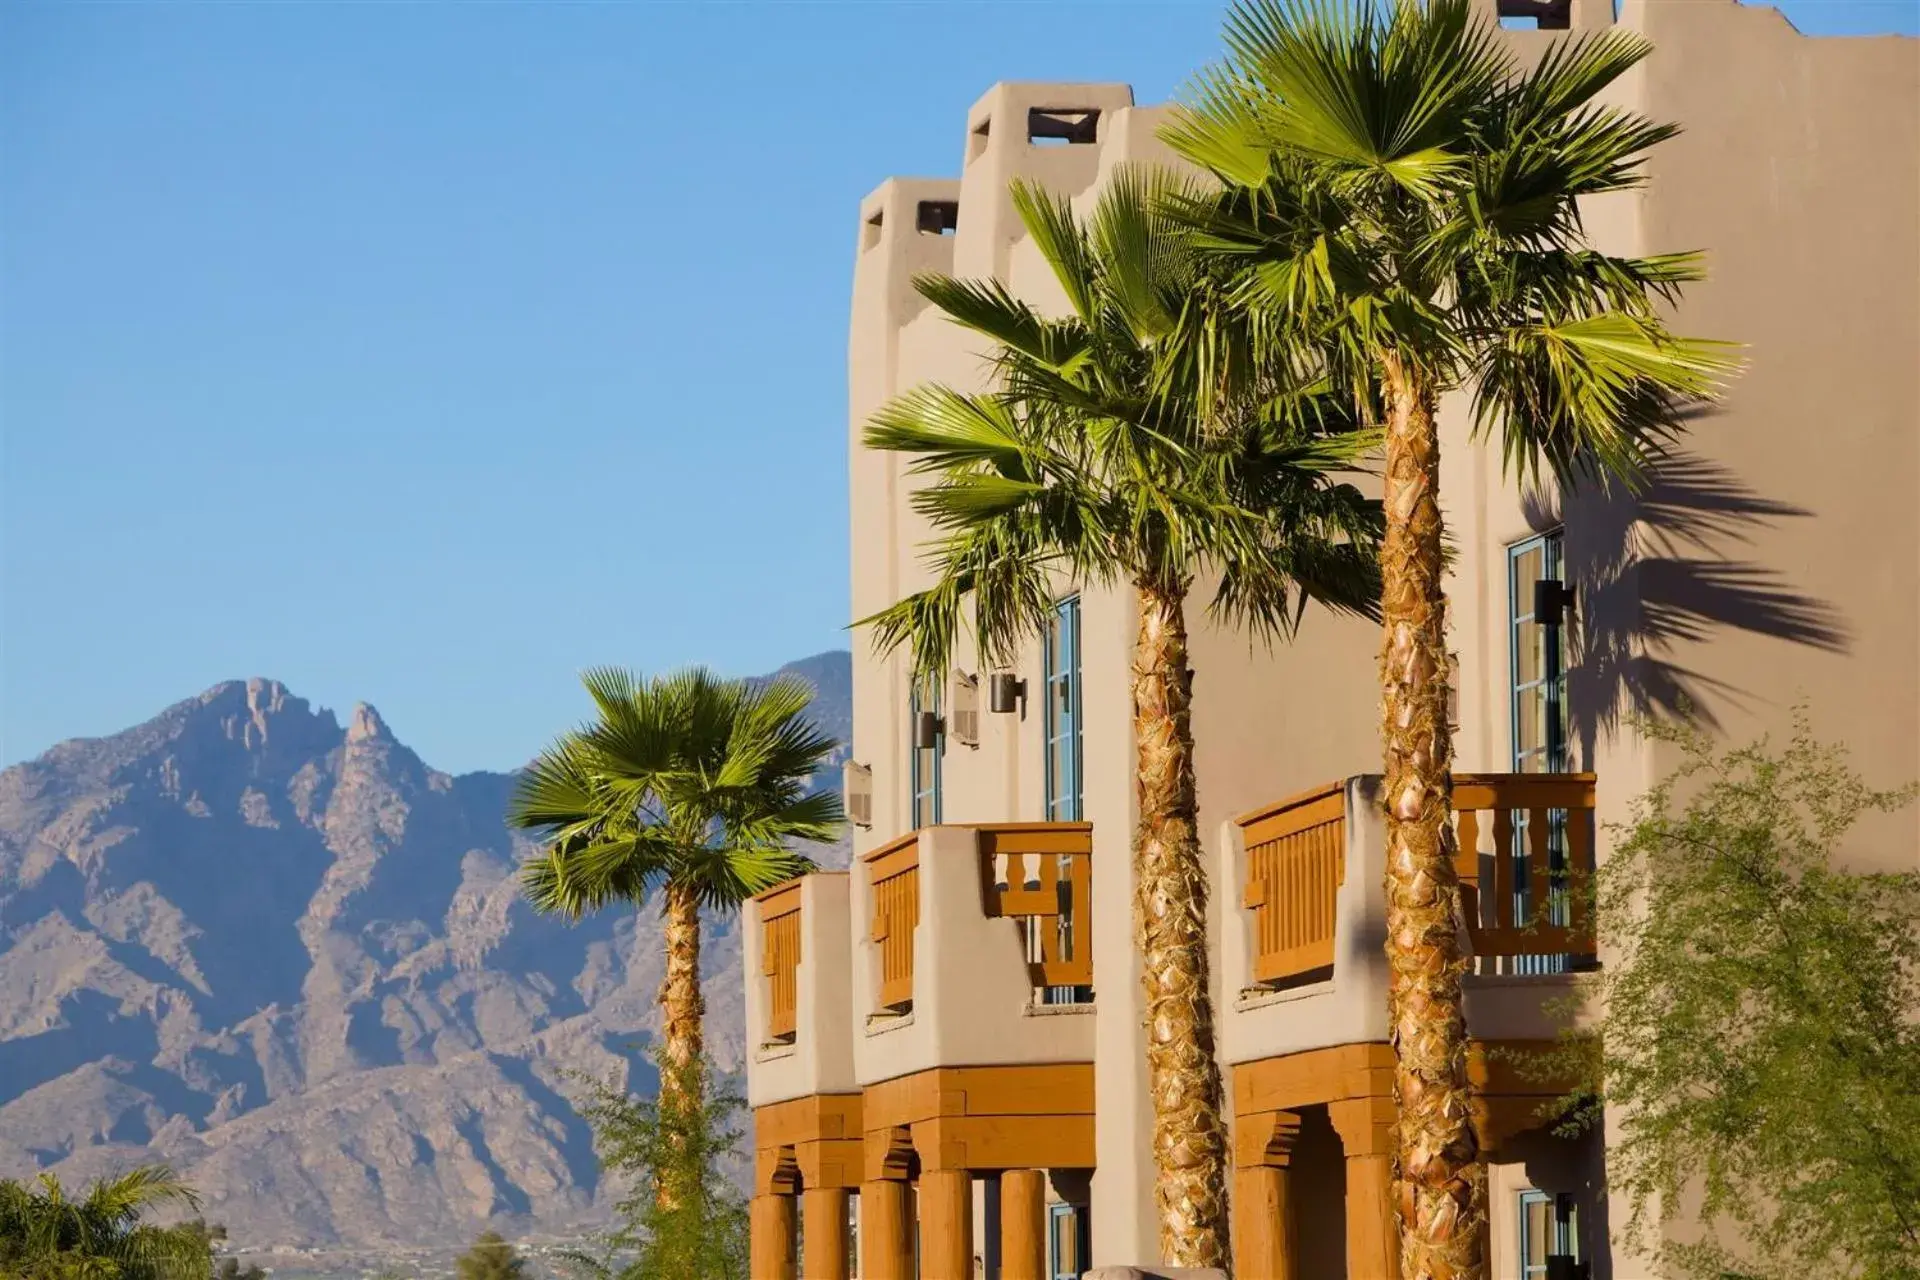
(974, 949)
(799, 1011)
(1305, 945)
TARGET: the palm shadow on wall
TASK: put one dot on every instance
(1667, 567)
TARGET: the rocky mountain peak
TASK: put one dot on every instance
(365, 724)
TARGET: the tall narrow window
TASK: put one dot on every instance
(923, 763)
(1549, 1236)
(1539, 703)
(1068, 1241)
(1063, 713)
(1538, 707)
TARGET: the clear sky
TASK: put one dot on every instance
(423, 354)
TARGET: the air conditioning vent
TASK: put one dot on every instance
(856, 786)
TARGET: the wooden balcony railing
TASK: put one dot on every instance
(1525, 858)
(1042, 874)
(894, 871)
(780, 957)
(1296, 861)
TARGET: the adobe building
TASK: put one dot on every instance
(946, 1046)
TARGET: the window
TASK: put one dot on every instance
(1063, 713)
(1538, 710)
(1549, 1236)
(923, 768)
(1063, 126)
(1069, 1241)
(1539, 703)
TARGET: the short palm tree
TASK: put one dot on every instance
(1400, 194)
(686, 784)
(1138, 440)
(47, 1235)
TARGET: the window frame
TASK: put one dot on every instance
(1082, 1240)
(1564, 1227)
(918, 784)
(1065, 720)
(1553, 755)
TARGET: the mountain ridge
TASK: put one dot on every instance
(282, 953)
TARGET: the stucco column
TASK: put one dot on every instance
(946, 1223)
(1023, 1225)
(770, 1244)
(886, 1246)
(823, 1210)
(1365, 1126)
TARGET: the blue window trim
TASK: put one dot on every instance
(1057, 1267)
(1065, 795)
(922, 762)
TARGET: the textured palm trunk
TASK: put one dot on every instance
(683, 1011)
(1439, 1189)
(1170, 927)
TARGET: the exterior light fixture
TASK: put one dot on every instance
(1552, 599)
(1005, 692)
(926, 730)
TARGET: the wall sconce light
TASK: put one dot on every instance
(1005, 692)
(927, 727)
(1552, 600)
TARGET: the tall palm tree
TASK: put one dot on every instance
(1137, 441)
(1400, 193)
(687, 784)
(47, 1235)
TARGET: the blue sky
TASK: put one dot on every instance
(423, 354)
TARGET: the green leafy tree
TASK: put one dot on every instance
(1399, 197)
(491, 1258)
(47, 1235)
(682, 1139)
(686, 784)
(1758, 1043)
(1144, 439)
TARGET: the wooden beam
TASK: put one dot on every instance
(1005, 1142)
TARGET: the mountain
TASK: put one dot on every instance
(289, 958)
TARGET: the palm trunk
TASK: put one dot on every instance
(682, 1012)
(1170, 926)
(1439, 1189)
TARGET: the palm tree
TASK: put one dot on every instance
(688, 784)
(1134, 441)
(46, 1235)
(1400, 194)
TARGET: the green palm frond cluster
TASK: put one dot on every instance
(685, 779)
(1395, 183)
(47, 1234)
(1150, 434)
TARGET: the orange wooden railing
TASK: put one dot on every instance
(1516, 904)
(894, 871)
(1041, 873)
(780, 957)
(1296, 861)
